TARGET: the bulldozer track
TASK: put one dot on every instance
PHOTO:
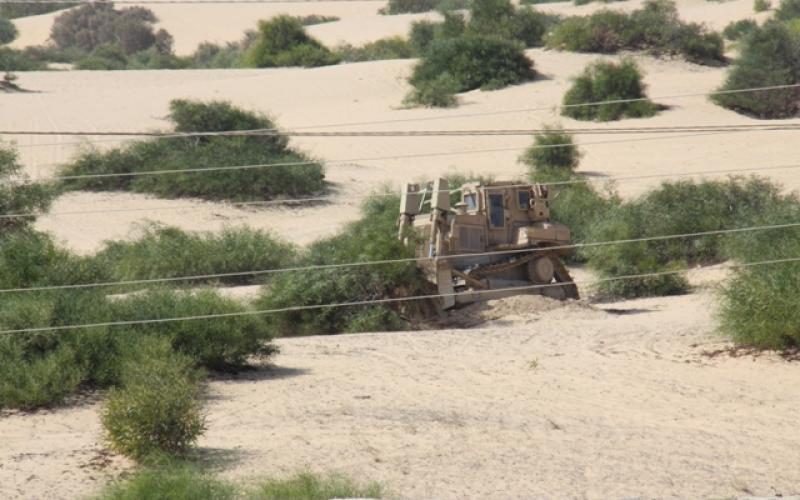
(561, 273)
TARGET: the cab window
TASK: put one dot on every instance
(524, 199)
(497, 216)
(471, 201)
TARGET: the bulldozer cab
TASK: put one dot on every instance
(497, 237)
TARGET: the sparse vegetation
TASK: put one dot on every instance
(313, 19)
(299, 177)
(655, 28)
(176, 480)
(283, 41)
(16, 10)
(386, 48)
(416, 6)
(608, 81)
(156, 409)
(769, 57)
(439, 93)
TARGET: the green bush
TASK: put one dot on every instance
(423, 33)
(552, 150)
(439, 93)
(167, 252)
(737, 29)
(202, 152)
(307, 486)
(655, 28)
(33, 381)
(608, 81)
(761, 5)
(222, 344)
(770, 56)
(788, 10)
(18, 196)
(500, 18)
(283, 41)
(170, 481)
(674, 208)
(19, 60)
(157, 409)
(92, 25)
(474, 62)
(385, 48)
(760, 305)
(8, 32)
(373, 237)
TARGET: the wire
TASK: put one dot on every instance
(403, 260)
(477, 114)
(415, 133)
(354, 160)
(377, 301)
(323, 199)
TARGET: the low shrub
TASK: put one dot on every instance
(385, 48)
(674, 208)
(373, 237)
(608, 81)
(175, 480)
(474, 62)
(34, 381)
(307, 486)
(156, 409)
(312, 19)
(553, 150)
(761, 5)
(760, 305)
(416, 6)
(655, 28)
(298, 177)
(770, 56)
(171, 480)
(17, 196)
(19, 60)
(8, 32)
(423, 33)
(737, 29)
(501, 18)
(439, 93)
(788, 10)
(168, 252)
(283, 41)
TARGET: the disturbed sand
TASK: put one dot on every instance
(614, 401)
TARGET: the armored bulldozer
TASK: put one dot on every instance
(497, 241)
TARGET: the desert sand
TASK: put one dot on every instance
(542, 399)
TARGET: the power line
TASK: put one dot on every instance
(484, 113)
(323, 199)
(376, 301)
(416, 133)
(354, 160)
(262, 272)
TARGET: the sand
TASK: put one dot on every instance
(542, 399)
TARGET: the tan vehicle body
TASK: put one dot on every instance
(498, 241)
